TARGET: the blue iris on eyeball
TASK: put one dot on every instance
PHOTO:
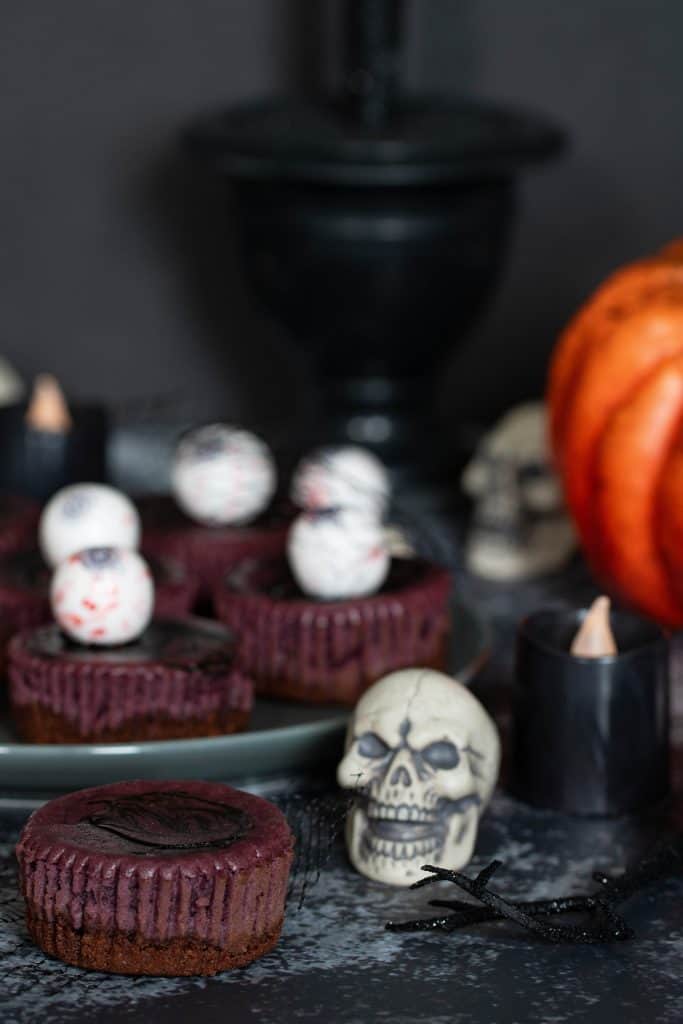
(208, 444)
(100, 558)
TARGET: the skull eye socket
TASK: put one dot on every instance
(441, 754)
(532, 471)
(370, 745)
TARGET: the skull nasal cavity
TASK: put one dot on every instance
(400, 777)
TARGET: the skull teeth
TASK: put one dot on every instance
(400, 851)
(400, 812)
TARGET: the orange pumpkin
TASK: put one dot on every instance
(616, 420)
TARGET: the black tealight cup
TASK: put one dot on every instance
(591, 734)
(38, 462)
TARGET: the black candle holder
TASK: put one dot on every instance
(374, 225)
(38, 462)
(591, 734)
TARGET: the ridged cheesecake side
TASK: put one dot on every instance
(106, 888)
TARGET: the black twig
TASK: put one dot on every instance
(604, 925)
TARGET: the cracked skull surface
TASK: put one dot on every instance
(422, 756)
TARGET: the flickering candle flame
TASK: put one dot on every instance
(47, 409)
(595, 638)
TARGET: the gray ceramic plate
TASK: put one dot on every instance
(282, 737)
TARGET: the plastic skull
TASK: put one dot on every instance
(422, 755)
(519, 525)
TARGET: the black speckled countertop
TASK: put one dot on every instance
(335, 961)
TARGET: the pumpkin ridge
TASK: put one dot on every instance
(626, 515)
(611, 302)
(589, 538)
(627, 398)
(615, 394)
(595, 402)
(594, 337)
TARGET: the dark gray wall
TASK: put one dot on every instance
(107, 270)
(610, 70)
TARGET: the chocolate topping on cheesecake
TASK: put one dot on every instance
(167, 822)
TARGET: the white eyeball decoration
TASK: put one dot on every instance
(103, 596)
(337, 554)
(344, 477)
(87, 516)
(222, 475)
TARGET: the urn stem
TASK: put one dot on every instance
(373, 37)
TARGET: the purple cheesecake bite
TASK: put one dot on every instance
(209, 551)
(181, 678)
(168, 878)
(300, 648)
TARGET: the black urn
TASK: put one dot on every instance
(374, 227)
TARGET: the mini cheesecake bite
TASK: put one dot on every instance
(104, 673)
(25, 590)
(338, 615)
(25, 595)
(207, 552)
(161, 878)
(221, 511)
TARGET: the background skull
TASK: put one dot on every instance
(423, 755)
(519, 525)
